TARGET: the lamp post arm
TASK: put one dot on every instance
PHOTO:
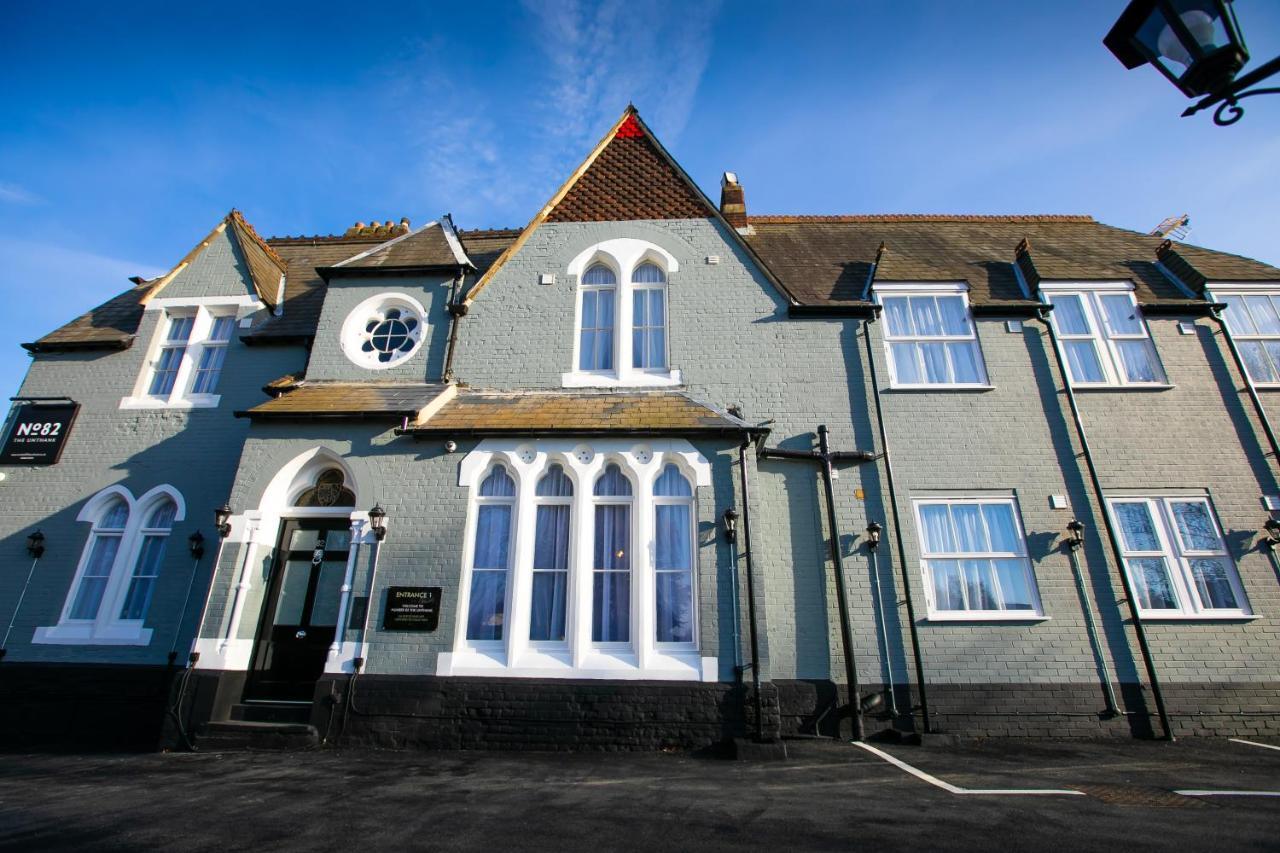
(1227, 97)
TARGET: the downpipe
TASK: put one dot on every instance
(1215, 311)
(897, 527)
(1113, 538)
(752, 626)
(1073, 546)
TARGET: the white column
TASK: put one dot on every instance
(245, 581)
(344, 603)
(520, 564)
(581, 574)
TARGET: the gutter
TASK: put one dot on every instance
(79, 346)
(427, 432)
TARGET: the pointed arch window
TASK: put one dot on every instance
(649, 317)
(146, 568)
(100, 557)
(554, 501)
(491, 556)
(673, 556)
(330, 490)
(611, 567)
(599, 295)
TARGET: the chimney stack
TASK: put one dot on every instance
(733, 204)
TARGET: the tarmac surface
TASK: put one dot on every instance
(824, 796)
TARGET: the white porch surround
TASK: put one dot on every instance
(577, 656)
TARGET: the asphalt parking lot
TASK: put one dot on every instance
(824, 796)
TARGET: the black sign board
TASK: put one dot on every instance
(38, 433)
(412, 608)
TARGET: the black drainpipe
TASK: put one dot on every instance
(751, 590)
(1215, 311)
(897, 525)
(1112, 537)
(457, 310)
(824, 457)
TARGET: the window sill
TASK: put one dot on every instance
(1198, 617)
(942, 387)
(1145, 386)
(195, 401)
(596, 664)
(628, 379)
(988, 616)
(71, 634)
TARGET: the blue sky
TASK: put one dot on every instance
(130, 129)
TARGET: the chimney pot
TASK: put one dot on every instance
(733, 203)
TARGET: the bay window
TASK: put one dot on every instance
(581, 561)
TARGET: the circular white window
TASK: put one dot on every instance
(383, 331)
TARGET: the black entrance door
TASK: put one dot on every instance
(300, 615)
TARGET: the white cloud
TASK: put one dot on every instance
(15, 194)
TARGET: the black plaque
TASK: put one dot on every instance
(412, 608)
(37, 433)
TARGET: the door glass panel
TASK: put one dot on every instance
(293, 592)
(328, 593)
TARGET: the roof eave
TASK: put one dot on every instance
(68, 346)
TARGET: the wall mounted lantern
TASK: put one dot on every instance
(35, 544)
(378, 522)
(873, 535)
(1272, 526)
(1197, 45)
(195, 542)
(1075, 534)
(731, 524)
(222, 520)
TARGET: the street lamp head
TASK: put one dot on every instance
(873, 535)
(1195, 43)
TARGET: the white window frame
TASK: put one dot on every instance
(1100, 335)
(1177, 559)
(1036, 614)
(204, 312)
(623, 256)
(662, 290)
(569, 604)
(933, 290)
(353, 335)
(1220, 293)
(690, 506)
(478, 501)
(642, 657)
(107, 628)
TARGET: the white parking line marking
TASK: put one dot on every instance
(1229, 793)
(1253, 743)
(956, 789)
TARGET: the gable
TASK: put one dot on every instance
(219, 270)
(630, 179)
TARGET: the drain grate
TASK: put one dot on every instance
(1142, 795)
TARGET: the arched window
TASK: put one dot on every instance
(673, 556)
(649, 317)
(554, 497)
(330, 490)
(100, 557)
(491, 559)
(599, 292)
(611, 588)
(146, 568)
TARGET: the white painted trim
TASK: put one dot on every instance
(956, 789)
(353, 329)
(381, 246)
(630, 379)
(216, 653)
(81, 634)
(426, 412)
(455, 245)
(193, 401)
(921, 287)
(1252, 288)
(1070, 286)
(1253, 743)
(166, 302)
(1201, 793)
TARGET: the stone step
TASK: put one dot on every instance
(271, 712)
(232, 735)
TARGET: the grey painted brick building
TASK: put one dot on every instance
(560, 487)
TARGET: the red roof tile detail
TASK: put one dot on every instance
(630, 179)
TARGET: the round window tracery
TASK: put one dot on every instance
(383, 331)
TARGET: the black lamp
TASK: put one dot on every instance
(731, 524)
(1195, 43)
(35, 544)
(1272, 526)
(1075, 534)
(378, 521)
(195, 542)
(873, 535)
(222, 520)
